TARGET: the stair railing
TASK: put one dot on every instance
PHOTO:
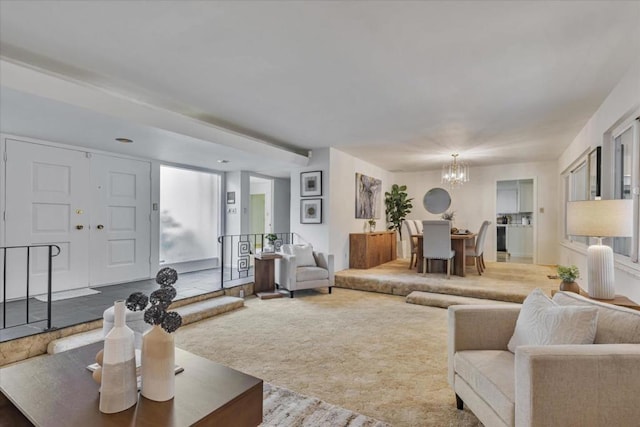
(28, 250)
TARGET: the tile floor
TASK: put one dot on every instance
(73, 311)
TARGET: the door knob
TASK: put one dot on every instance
(100, 226)
(79, 227)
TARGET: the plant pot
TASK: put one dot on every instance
(570, 287)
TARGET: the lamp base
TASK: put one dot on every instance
(600, 265)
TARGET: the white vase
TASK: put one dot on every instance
(119, 388)
(158, 365)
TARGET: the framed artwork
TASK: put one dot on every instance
(231, 197)
(311, 184)
(367, 196)
(311, 211)
(595, 173)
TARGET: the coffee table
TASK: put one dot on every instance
(58, 390)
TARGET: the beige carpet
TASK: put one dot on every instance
(370, 353)
(500, 281)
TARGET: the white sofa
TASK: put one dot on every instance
(554, 385)
(302, 268)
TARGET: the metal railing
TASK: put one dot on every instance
(28, 252)
(238, 249)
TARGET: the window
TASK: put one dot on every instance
(577, 184)
(189, 217)
(626, 157)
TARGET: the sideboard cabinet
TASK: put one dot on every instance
(367, 250)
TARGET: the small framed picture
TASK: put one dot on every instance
(311, 184)
(311, 211)
(231, 197)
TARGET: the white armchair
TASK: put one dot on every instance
(302, 268)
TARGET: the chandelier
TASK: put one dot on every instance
(455, 173)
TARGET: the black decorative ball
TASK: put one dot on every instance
(171, 321)
(154, 315)
(162, 297)
(166, 277)
(137, 301)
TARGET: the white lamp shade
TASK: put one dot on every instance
(600, 218)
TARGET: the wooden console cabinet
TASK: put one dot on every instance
(367, 250)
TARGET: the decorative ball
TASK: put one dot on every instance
(99, 357)
(171, 321)
(137, 301)
(166, 277)
(162, 297)
(97, 375)
(154, 315)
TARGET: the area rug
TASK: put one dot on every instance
(367, 352)
(72, 293)
(286, 408)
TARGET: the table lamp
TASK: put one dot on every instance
(600, 218)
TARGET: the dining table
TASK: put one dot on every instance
(458, 243)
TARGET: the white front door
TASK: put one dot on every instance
(47, 193)
(120, 219)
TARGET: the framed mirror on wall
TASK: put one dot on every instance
(595, 173)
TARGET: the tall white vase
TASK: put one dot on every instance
(158, 365)
(119, 389)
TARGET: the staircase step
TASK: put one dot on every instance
(444, 300)
(208, 308)
(190, 313)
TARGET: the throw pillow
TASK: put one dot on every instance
(543, 322)
(304, 255)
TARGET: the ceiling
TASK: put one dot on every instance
(399, 84)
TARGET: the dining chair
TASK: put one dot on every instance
(418, 225)
(436, 243)
(410, 229)
(477, 251)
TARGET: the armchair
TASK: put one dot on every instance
(302, 268)
(545, 385)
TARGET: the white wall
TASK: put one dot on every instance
(342, 202)
(622, 103)
(475, 201)
(316, 234)
(281, 205)
(237, 215)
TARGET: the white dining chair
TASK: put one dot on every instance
(410, 230)
(477, 251)
(436, 243)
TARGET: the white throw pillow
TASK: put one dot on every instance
(304, 256)
(543, 322)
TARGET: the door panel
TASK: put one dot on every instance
(46, 195)
(120, 229)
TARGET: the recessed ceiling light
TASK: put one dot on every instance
(125, 140)
(223, 161)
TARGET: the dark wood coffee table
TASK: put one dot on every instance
(58, 390)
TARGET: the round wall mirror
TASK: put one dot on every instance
(436, 200)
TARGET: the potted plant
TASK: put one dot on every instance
(397, 206)
(448, 215)
(271, 238)
(372, 224)
(569, 274)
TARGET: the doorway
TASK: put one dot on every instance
(260, 206)
(515, 221)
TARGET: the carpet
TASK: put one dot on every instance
(370, 353)
(73, 293)
(286, 408)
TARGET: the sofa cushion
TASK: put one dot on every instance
(491, 374)
(616, 325)
(304, 274)
(543, 322)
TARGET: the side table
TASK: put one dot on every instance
(264, 278)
